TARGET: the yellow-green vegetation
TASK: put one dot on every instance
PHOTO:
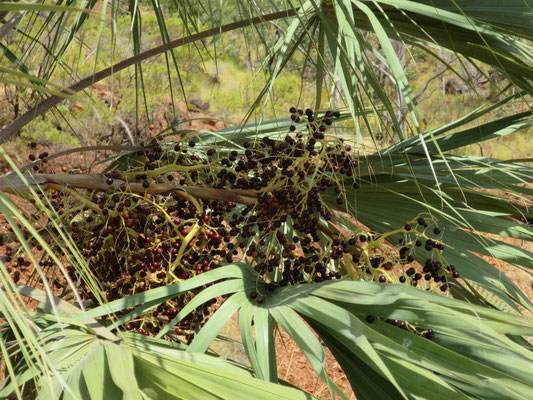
(226, 83)
(228, 78)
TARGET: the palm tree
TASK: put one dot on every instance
(465, 337)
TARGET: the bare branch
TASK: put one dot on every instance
(9, 25)
(439, 73)
(14, 184)
(79, 150)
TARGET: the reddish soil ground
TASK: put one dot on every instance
(294, 368)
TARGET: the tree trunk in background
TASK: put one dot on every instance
(399, 48)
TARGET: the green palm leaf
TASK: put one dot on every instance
(137, 367)
(337, 311)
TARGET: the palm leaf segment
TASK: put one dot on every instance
(394, 362)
